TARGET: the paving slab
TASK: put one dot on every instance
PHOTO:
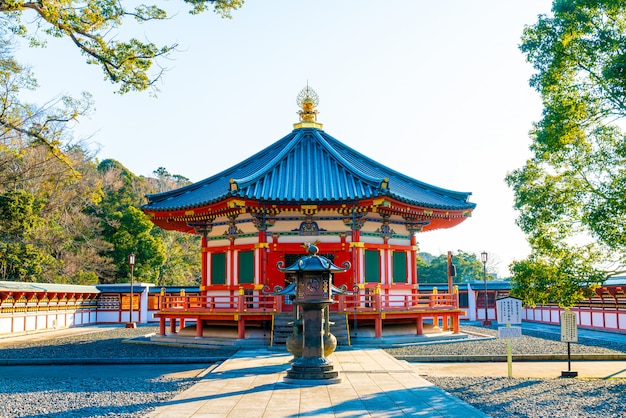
(373, 383)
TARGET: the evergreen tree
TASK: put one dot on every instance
(435, 269)
(570, 194)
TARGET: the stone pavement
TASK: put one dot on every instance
(250, 384)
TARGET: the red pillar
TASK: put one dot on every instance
(241, 306)
(199, 327)
(450, 278)
(456, 324)
(278, 306)
(378, 325)
(173, 325)
(419, 322)
(413, 257)
(356, 255)
(241, 328)
(205, 272)
(230, 264)
(262, 246)
(378, 298)
(161, 326)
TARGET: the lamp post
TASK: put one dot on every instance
(131, 262)
(483, 258)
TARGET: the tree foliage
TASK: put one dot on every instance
(134, 236)
(570, 194)
(63, 217)
(20, 258)
(435, 269)
(24, 126)
(94, 28)
(43, 220)
(162, 257)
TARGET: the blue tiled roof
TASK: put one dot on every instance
(309, 166)
(7, 286)
(121, 288)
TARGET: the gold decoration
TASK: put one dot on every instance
(307, 100)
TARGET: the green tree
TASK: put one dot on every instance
(435, 269)
(121, 190)
(92, 25)
(57, 210)
(570, 194)
(134, 236)
(20, 259)
(167, 257)
(182, 262)
(38, 158)
(24, 125)
(165, 181)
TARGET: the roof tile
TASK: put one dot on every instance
(308, 165)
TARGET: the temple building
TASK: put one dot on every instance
(308, 187)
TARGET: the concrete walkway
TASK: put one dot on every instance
(250, 384)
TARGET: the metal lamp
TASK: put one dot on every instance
(484, 257)
(131, 262)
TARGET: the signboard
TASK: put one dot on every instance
(509, 310)
(509, 332)
(569, 330)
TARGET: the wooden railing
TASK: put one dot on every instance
(370, 299)
(221, 303)
(363, 302)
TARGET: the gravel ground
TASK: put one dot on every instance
(504, 397)
(531, 342)
(85, 397)
(91, 396)
(106, 344)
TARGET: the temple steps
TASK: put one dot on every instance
(283, 328)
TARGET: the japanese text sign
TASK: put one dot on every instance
(569, 330)
(509, 310)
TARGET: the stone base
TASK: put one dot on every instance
(312, 382)
(569, 373)
(306, 369)
(131, 325)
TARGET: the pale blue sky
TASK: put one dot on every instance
(437, 90)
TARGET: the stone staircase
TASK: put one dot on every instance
(283, 328)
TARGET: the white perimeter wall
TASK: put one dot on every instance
(20, 322)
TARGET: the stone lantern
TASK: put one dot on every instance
(313, 294)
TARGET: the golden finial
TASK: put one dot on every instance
(307, 101)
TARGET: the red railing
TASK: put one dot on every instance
(220, 303)
(369, 299)
(396, 302)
